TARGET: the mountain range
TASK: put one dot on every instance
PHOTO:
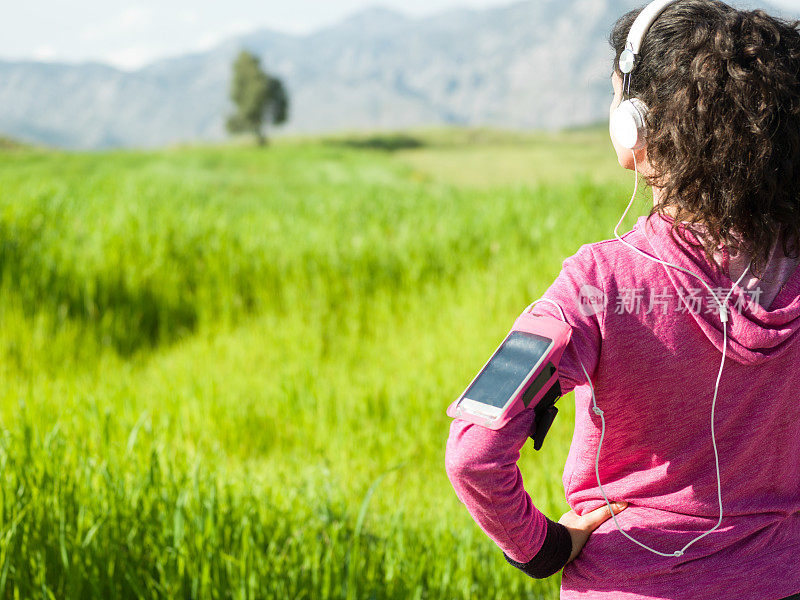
(534, 64)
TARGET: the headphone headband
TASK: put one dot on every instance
(638, 30)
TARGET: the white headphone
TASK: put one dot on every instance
(627, 124)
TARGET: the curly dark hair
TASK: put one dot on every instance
(723, 88)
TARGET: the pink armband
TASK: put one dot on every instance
(540, 386)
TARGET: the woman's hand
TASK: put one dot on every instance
(580, 528)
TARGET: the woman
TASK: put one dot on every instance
(722, 156)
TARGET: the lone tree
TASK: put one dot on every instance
(260, 99)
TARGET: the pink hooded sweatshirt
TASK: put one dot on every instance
(654, 358)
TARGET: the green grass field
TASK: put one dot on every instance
(225, 369)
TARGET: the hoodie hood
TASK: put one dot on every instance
(755, 334)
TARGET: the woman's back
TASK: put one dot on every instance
(654, 360)
(707, 108)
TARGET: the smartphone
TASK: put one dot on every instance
(508, 376)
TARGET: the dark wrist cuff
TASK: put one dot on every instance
(552, 556)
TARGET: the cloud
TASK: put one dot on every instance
(132, 19)
(190, 16)
(45, 52)
(133, 57)
(211, 39)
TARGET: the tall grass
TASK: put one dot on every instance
(224, 370)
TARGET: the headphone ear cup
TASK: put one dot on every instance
(627, 124)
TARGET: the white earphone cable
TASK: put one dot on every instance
(600, 413)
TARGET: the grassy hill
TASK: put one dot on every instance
(225, 369)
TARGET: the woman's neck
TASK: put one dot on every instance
(658, 195)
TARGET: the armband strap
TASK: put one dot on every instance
(553, 555)
(544, 414)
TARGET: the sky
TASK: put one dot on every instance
(129, 34)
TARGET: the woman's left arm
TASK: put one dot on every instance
(482, 463)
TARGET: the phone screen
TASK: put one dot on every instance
(508, 368)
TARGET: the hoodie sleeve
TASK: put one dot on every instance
(482, 463)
